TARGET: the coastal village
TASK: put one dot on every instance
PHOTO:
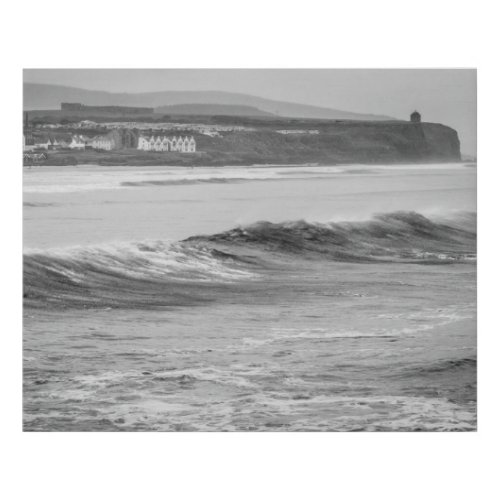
(40, 139)
(113, 140)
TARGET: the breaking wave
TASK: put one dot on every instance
(132, 275)
(450, 365)
(197, 270)
(386, 237)
(38, 205)
(187, 181)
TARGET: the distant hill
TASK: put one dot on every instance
(212, 109)
(41, 96)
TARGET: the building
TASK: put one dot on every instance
(47, 143)
(77, 142)
(128, 138)
(115, 139)
(106, 142)
(43, 143)
(102, 142)
(415, 117)
(188, 145)
(164, 143)
(155, 143)
(176, 144)
(62, 144)
(143, 143)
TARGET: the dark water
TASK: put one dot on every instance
(361, 325)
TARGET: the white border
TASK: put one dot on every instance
(249, 34)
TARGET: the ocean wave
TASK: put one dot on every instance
(195, 180)
(187, 181)
(144, 274)
(150, 274)
(28, 204)
(387, 237)
(448, 365)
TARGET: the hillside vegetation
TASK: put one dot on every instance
(346, 142)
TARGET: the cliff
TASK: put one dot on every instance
(264, 140)
(341, 142)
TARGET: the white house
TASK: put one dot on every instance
(143, 143)
(77, 142)
(175, 144)
(164, 143)
(191, 145)
(44, 144)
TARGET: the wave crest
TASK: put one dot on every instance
(397, 235)
(152, 274)
(149, 273)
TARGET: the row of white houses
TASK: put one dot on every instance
(112, 141)
(48, 143)
(77, 142)
(164, 143)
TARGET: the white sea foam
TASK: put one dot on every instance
(153, 259)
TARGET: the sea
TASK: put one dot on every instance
(264, 298)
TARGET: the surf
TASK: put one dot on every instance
(396, 236)
(201, 268)
(144, 274)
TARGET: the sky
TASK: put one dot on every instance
(445, 96)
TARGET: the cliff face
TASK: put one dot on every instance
(343, 142)
(441, 141)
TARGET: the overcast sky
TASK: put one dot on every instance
(445, 96)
